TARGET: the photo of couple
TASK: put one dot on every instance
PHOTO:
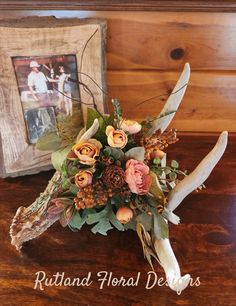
(48, 89)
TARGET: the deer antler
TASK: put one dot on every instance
(32, 221)
(172, 103)
(187, 185)
(199, 175)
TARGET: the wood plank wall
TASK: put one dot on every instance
(147, 50)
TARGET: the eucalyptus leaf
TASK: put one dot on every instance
(77, 221)
(167, 171)
(174, 164)
(117, 153)
(102, 227)
(156, 161)
(163, 175)
(136, 153)
(58, 157)
(173, 176)
(130, 225)
(145, 220)
(97, 216)
(161, 230)
(115, 222)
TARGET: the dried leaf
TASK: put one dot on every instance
(67, 215)
(155, 188)
(148, 247)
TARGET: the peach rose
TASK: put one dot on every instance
(83, 178)
(137, 177)
(116, 138)
(131, 126)
(86, 151)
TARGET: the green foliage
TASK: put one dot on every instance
(117, 110)
(160, 229)
(130, 225)
(174, 164)
(104, 221)
(135, 153)
(157, 161)
(78, 221)
(145, 220)
(58, 157)
(172, 176)
(117, 153)
(103, 120)
(155, 188)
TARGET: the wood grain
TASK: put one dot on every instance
(121, 5)
(208, 105)
(165, 41)
(204, 244)
(138, 40)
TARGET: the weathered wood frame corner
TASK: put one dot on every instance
(44, 36)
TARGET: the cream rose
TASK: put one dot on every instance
(86, 151)
(131, 126)
(116, 138)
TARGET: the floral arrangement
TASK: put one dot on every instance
(115, 174)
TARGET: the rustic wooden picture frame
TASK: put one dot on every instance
(40, 36)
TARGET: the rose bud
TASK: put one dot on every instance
(131, 126)
(83, 178)
(116, 138)
(157, 153)
(124, 214)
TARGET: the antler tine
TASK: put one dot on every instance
(28, 223)
(199, 175)
(170, 265)
(172, 103)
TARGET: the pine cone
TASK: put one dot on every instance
(113, 177)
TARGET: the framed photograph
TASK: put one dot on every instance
(51, 70)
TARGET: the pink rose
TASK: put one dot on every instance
(116, 138)
(137, 177)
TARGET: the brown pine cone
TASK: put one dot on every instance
(113, 177)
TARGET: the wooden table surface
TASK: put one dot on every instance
(204, 244)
